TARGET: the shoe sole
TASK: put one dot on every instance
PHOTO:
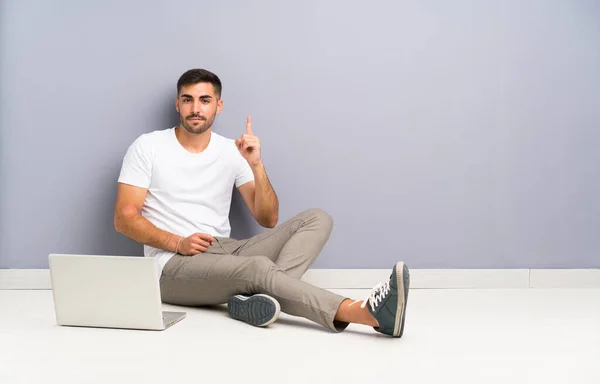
(258, 310)
(403, 284)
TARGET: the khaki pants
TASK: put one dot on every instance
(271, 263)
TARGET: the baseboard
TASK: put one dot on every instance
(367, 278)
(564, 278)
(25, 279)
(421, 278)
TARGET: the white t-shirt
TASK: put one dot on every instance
(187, 192)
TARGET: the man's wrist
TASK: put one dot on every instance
(173, 243)
(257, 166)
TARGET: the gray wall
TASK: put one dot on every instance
(449, 134)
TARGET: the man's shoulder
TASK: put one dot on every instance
(157, 135)
(223, 142)
(153, 138)
(220, 138)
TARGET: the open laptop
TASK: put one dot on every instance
(108, 292)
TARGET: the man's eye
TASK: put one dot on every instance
(205, 101)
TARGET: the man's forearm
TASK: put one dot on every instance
(138, 228)
(266, 203)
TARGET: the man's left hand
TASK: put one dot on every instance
(248, 145)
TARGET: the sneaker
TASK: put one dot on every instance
(258, 310)
(387, 302)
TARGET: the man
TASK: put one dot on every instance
(174, 195)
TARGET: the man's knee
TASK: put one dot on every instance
(259, 265)
(259, 272)
(320, 216)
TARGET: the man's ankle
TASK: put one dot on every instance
(350, 311)
(369, 318)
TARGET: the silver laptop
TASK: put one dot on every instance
(108, 292)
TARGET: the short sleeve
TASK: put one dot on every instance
(137, 164)
(244, 173)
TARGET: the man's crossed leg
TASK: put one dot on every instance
(259, 276)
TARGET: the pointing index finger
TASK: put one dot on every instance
(249, 125)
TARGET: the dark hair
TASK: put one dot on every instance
(195, 76)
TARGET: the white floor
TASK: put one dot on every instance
(451, 336)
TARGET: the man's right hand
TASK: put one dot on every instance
(194, 244)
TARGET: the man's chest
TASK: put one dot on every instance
(176, 177)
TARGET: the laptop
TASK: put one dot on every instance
(108, 292)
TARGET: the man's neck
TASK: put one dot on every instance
(191, 142)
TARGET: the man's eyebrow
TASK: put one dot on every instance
(201, 97)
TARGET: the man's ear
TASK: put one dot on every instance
(177, 104)
(219, 105)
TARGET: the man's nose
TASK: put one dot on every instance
(196, 107)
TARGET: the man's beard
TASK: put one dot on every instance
(198, 127)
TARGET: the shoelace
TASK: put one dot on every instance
(376, 296)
